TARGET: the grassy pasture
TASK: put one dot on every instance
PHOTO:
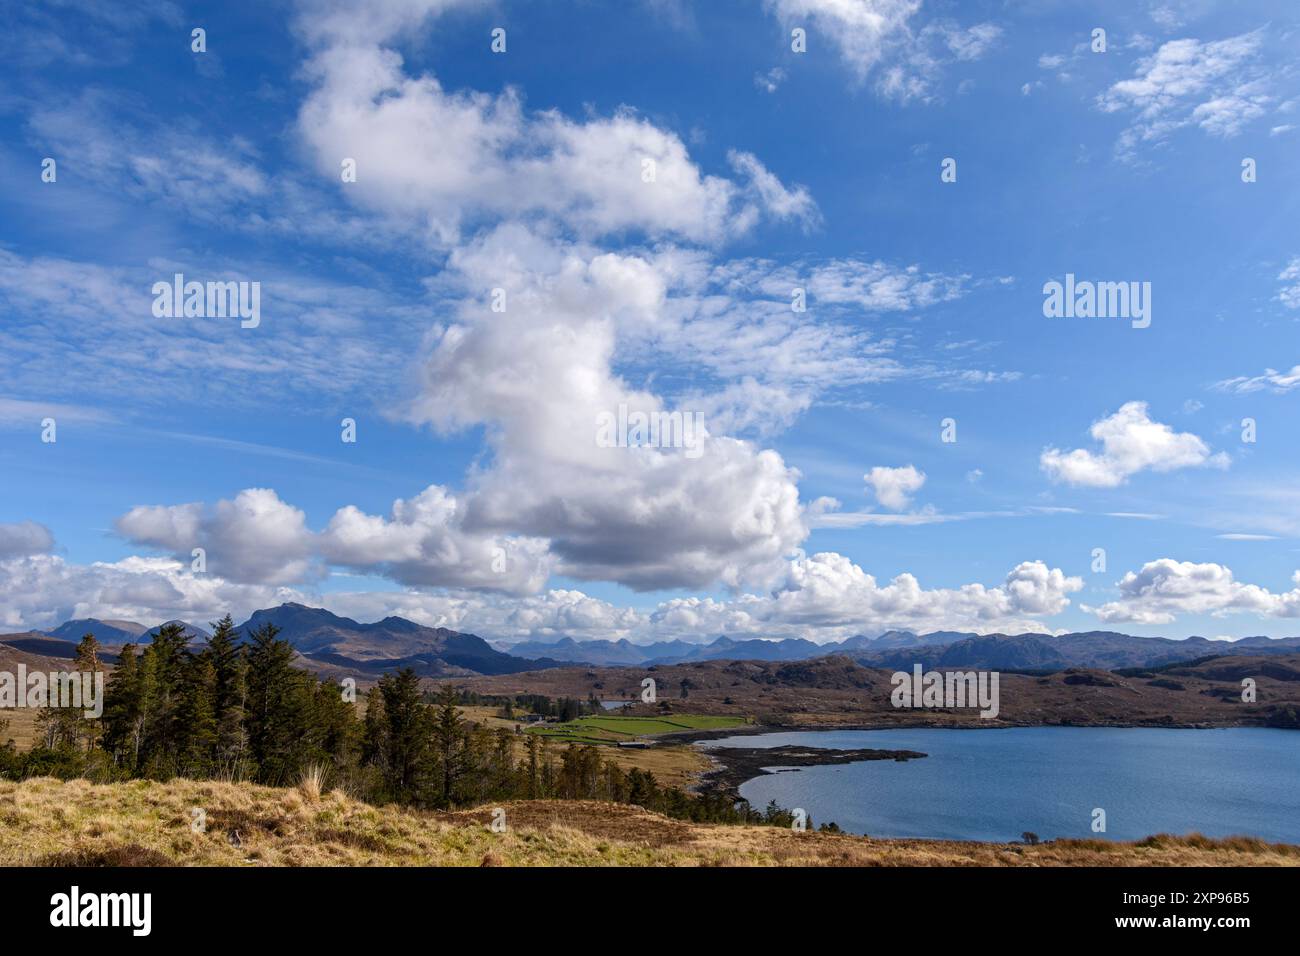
(612, 730)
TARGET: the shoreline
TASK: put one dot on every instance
(735, 766)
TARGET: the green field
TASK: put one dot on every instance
(611, 730)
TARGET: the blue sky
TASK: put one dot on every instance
(476, 495)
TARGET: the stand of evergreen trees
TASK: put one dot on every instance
(239, 710)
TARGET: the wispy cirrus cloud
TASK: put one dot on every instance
(884, 40)
(108, 344)
(1289, 294)
(1270, 380)
(26, 413)
(1219, 86)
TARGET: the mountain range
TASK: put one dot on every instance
(106, 632)
(393, 642)
(329, 641)
(324, 640)
(900, 650)
(624, 652)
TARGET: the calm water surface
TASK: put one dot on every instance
(995, 784)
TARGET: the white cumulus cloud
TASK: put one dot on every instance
(1130, 442)
(253, 538)
(1165, 588)
(23, 538)
(894, 487)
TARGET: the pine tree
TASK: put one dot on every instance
(406, 733)
(334, 727)
(161, 678)
(532, 767)
(87, 663)
(547, 788)
(123, 712)
(196, 719)
(447, 732)
(62, 721)
(503, 760)
(229, 696)
(374, 738)
(278, 708)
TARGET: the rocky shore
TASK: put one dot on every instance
(734, 765)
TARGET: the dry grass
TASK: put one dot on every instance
(313, 778)
(673, 766)
(20, 726)
(46, 822)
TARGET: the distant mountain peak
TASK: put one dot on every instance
(106, 632)
(317, 633)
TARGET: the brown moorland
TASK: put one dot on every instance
(837, 692)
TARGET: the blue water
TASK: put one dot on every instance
(996, 784)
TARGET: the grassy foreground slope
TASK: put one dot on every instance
(46, 822)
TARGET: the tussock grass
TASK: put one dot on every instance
(47, 822)
(313, 779)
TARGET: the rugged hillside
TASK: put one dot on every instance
(1236, 669)
(837, 691)
(393, 642)
(19, 724)
(196, 634)
(142, 823)
(106, 632)
(57, 651)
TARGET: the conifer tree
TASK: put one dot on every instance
(374, 739)
(162, 664)
(406, 733)
(229, 696)
(533, 782)
(123, 711)
(63, 723)
(278, 707)
(447, 732)
(196, 719)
